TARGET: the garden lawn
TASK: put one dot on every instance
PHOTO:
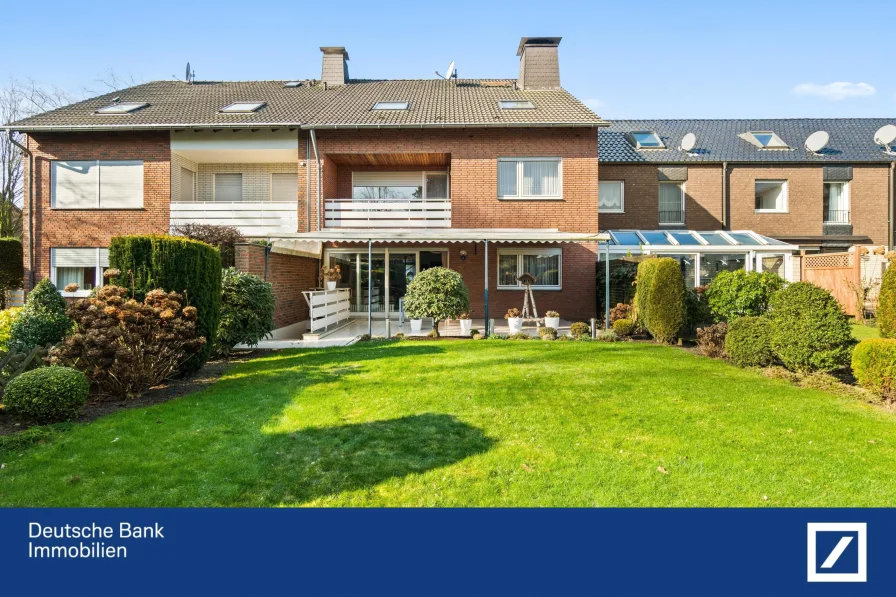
(469, 423)
(860, 331)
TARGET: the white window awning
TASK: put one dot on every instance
(447, 235)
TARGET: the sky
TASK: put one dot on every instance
(625, 60)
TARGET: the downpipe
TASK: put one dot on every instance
(30, 187)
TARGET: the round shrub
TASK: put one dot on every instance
(874, 365)
(749, 342)
(247, 310)
(624, 327)
(7, 316)
(42, 321)
(736, 294)
(580, 330)
(48, 394)
(606, 336)
(886, 306)
(664, 300)
(437, 292)
(547, 333)
(12, 270)
(810, 332)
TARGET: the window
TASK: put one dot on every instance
(83, 267)
(671, 203)
(544, 264)
(391, 105)
(400, 185)
(187, 185)
(122, 108)
(647, 140)
(292, 84)
(516, 105)
(610, 197)
(285, 187)
(767, 140)
(688, 265)
(771, 196)
(713, 263)
(96, 184)
(529, 178)
(228, 187)
(436, 185)
(242, 107)
(836, 203)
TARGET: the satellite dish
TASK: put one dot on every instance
(885, 135)
(688, 142)
(450, 72)
(187, 77)
(817, 141)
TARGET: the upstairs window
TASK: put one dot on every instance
(96, 184)
(771, 196)
(242, 107)
(391, 105)
(647, 140)
(610, 197)
(529, 178)
(516, 105)
(400, 185)
(122, 108)
(671, 203)
(228, 187)
(836, 203)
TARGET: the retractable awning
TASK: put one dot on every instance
(446, 235)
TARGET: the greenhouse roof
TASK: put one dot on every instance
(712, 240)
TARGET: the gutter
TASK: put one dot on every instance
(319, 184)
(30, 187)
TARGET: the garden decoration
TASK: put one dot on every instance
(527, 280)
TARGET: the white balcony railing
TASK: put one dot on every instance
(387, 213)
(253, 218)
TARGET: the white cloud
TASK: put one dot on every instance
(835, 91)
(594, 104)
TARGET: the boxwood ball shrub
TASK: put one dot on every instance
(12, 270)
(42, 321)
(175, 264)
(749, 342)
(624, 327)
(439, 293)
(874, 365)
(739, 293)
(810, 332)
(579, 330)
(886, 307)
(48, 394)
(547, 333)
(663, 305)
(247, 310)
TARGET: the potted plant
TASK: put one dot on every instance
(552, 320)
(438, 293)
(332, 275)
(514, 320)
(466, 324)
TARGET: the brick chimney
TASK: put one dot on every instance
(335, 66)
(539, 65)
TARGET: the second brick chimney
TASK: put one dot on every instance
(539, 63)
(335, 66)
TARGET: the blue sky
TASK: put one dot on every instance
(625, 59)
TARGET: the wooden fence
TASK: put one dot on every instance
(839, 273)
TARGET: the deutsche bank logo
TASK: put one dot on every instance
(837, 551)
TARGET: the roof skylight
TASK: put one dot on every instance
(122, 108)
(391, 105)
(647, 140)
(292, 84)
(241, 107)
(767, 140)
(516, 105)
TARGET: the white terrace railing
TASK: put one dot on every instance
(253, 218)
(387, 213)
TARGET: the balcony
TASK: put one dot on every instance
(836, 216)
(252, 218)
(387, 213)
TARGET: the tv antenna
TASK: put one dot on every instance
(190, 74)
(451, 73)
(886, 136)
(817, 141)
(688, 142)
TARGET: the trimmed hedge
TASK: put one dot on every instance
(42, 321)
(48, 394)
(12, 268)
(663, 301)
(749, 342)
(175, 264)
(886, 306)
(247, 310)
(624, 327)
(741, 293)
(810, 332)
(874, 365)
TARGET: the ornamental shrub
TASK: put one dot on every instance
(663, 304)
(12, 269)
(7, 316)
(624, 327)
(437, 292)
(48, 394)
(620, 311)
(874, 365)
(547, 333)
(125, 346)
(696, 308)
(606, 336)
(711, 340)
(247, 310)
(579, 330)
(643, 281)
(738, 293)
(224, 238)
(188, 267)
(42, 321)
(810, 332)
(749, 342)
(886, 306)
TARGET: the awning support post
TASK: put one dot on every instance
(486, 289)
(370, 288)
(607, 289)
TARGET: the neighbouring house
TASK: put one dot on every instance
(490, 177)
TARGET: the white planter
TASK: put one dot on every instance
(331, 284)
(465, 326)
(515, 324)
(416, 325)
(552, 322)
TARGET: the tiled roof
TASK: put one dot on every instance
(433, 102)
(851, 140)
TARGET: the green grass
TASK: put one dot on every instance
(485, 423)
(861, 331)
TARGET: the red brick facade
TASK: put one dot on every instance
(288, 275)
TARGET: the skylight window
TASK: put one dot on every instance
(516, 105)
(647, 140)
(242, 107)
(122, 108)
(391, 105)
(293, 84)
(768, 140)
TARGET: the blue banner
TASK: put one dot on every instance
(450, 552)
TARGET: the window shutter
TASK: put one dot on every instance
(837, 173)
(284, 187)
(104, 257)
(228, 187)
(74, 184)
(75, 257)
(187, 185)
(121, 184)
(672, 173)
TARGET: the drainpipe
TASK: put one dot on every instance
(487, 331)
(892, 180)
(724, 195)
(370, 288)
(30, 187)
(607, 288)
(308, 185)
(319, 186)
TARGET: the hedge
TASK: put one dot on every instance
(643, 281)
(874, 365)
(664, 300)
(886, 306)
(178, 264)
(12, 269)
(48, 394)
(741, 293)
(749, 342)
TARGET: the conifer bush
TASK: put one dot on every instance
(886, 307)
(874, 365)
(42, 321)
(247, 310)
(662, 302)
(749, 342)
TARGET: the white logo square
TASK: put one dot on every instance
(849, 530)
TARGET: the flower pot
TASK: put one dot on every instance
(331, 284)
(552, 322)
(416, 325)
(515, 324)
(465, 326)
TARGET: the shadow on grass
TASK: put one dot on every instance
(317, 462)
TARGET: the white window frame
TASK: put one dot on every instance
(392, 105)
(98, 205)
(681, 186)
(519, 267)
(638, 146)
(122, 108)
(846, 197)
(519, 179)
(776, 142)
(242, 107)
(81, 293)
(516, 104)
(423, 174)
(607, 210)
(784, 196)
